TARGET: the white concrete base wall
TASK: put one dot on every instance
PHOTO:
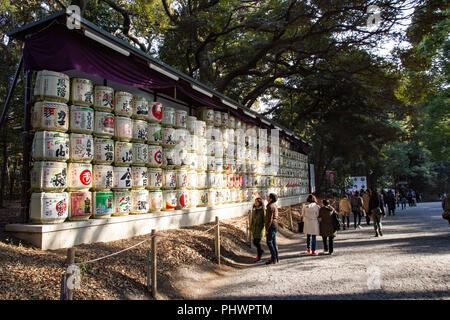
(69, 234)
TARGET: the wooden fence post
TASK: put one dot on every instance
(69, 260)
(153, 254)
(290, 218)
(249, 232)
(217, 241)
(149, 271)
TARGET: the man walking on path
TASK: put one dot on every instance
(390, 201)
(376, 212)
(366, 198)
(357, 203)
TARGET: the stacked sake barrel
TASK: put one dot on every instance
(293, 171)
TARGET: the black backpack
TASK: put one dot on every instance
(336, 222)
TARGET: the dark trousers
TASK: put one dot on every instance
(367, 218)
(392, 210)
(272, 242)
(348, 221)
(259, 250)
(357, 217)
(328, 245)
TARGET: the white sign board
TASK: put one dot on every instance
(357, 183)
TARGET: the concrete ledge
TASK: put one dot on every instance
(72, 233)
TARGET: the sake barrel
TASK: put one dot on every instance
(81, 119)
(122, 203)
(81, 92)
(103, 151)
(224, 118)
(79, 176)
(210, 179)
(155, 112)
(192, 179)
(49, 176)
(202, 180)
(123, 129)
(230, 149)
(168, 158)
(80, 206)
(218, 149)
(191, 123)
(51, 116)
(154, 133)
(231, 122)
(202, 198)
(103, 204)
(241, 197)
(200, 128)
(170, 199)
(140, 154)
(168, 117)
(122, 178)
(244, 180)
(154, 178)
(123, 153)
(181, 179)
(51, 86)
(169, 179)
(210, 147)
(226, 195)
(238, 124)
(206, 114)
(139, 202)
(139, 177)
(211, 163)
(193, 198)
(123, 103)
(104, 98)
(168, 137)
(192, 161)
(201, 150)
(228, 183)
(103, 177)
(180, 157)
(139, 131)
(104, 124)
(81, 147)
(219, 180)
(49, 208)
(202, 163)
(181, 137)
(218, 164)
(219, 197)
(235, 180)
(234, 194)
(140, 108)
(182, 199)
(49, 145)
(211, 198)
(155, 200)
(155, 156)
(192, 143)
(180, 119)
(217, 118)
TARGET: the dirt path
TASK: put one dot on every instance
(411, 261)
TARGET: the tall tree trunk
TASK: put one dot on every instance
(5, 165)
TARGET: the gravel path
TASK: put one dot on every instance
(411, 261)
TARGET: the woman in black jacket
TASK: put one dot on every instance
(376, 215)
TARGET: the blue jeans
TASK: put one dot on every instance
(311, 242)
(272, 242)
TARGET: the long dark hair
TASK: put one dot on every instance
(273, 198)
(311, 199)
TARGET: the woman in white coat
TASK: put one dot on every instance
(310, 213)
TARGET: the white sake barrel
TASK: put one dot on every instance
(226, 195)
(240, 152)
(154, 133)
(103, 177)
(182, 199)
(169, 179)
(49, 176)
(81, 147)
(155, 156)
(206, 114)
(192, 160)
(218, 164)
(210, 179)
(169, 199)
(211, 163)
(139, 202)
(218, 149)
(191, 123)
(193, 198)
(231, 122)
(103, 204)
(168, 137)
(140, 108)
(168, 117)
(104, 124)
(242, 196)
(81, 119)
(122, 178)
(155, 112)
(192, 179)
(234, 194)
(202, 180)
(180, 119)
(49, 208)
(231, 135)
(210, 147)
(104, 98)
(219, 181)
(211, 201)
(80, 206)
(123, 153)
(181, 137)
(122, 203)
(219, 197)
(200, 128)
(139, 131)
(155, 200)
(140, 154)
(49, 145)
(202, 198)
(180, 157)
(103, 151)
(168, 158)
(201, 146)
(81, 92)
(154, 178)
(139, 177)
(123, 129)
(230, 149)
(123, 104)
(192, 143)
(202, 163)
(51, 116)
(181, 178)
(51, 86)
(79, 176)
(224, 118)
(217, 118)
(238, 124)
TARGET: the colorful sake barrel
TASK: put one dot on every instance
(182, 199)
(211, 198)
(123, 129)
(229, 164)
(49, 208)
(123, 104)
(81, 120)
(217, 118)
(79, 176)
(122, 203)
(244, 180)
(206, 114)
(154, 133)
(140, 108)
(51, 116)
(191, 122)
(180, 119)
(181, 156)
(155, 156)
(103, 204)
(140, 154)
(80, 206)
(192, 179)
(155, 112)
(49, 176)
(139, 177)
(139, 131)
(139, 202)
(155, 200)
(103, 178)
(81, 92)
(123, 153)
(168, 137)
(231, 122)
(169, 179)
(181, 137)
(104, 124)
(193, 198)
(122, 178)
(104, 98)
(202, 198)
(181, 179)
(154, 178)
(202, 180)
(50, 146)
(103, 151)
(81, 147)
(170, 199)
(228, 183)
(200, 128)
(51, 86)
(168, 117)
(168, 158)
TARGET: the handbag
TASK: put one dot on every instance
(446, 215)
(336, 222)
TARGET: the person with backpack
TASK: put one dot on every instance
(271, 225)
(310, 213)
(366, 198)
(376, 212)
(328, 225)
(257, 226)
(344, 211)
(390, 201)
(357, 204)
